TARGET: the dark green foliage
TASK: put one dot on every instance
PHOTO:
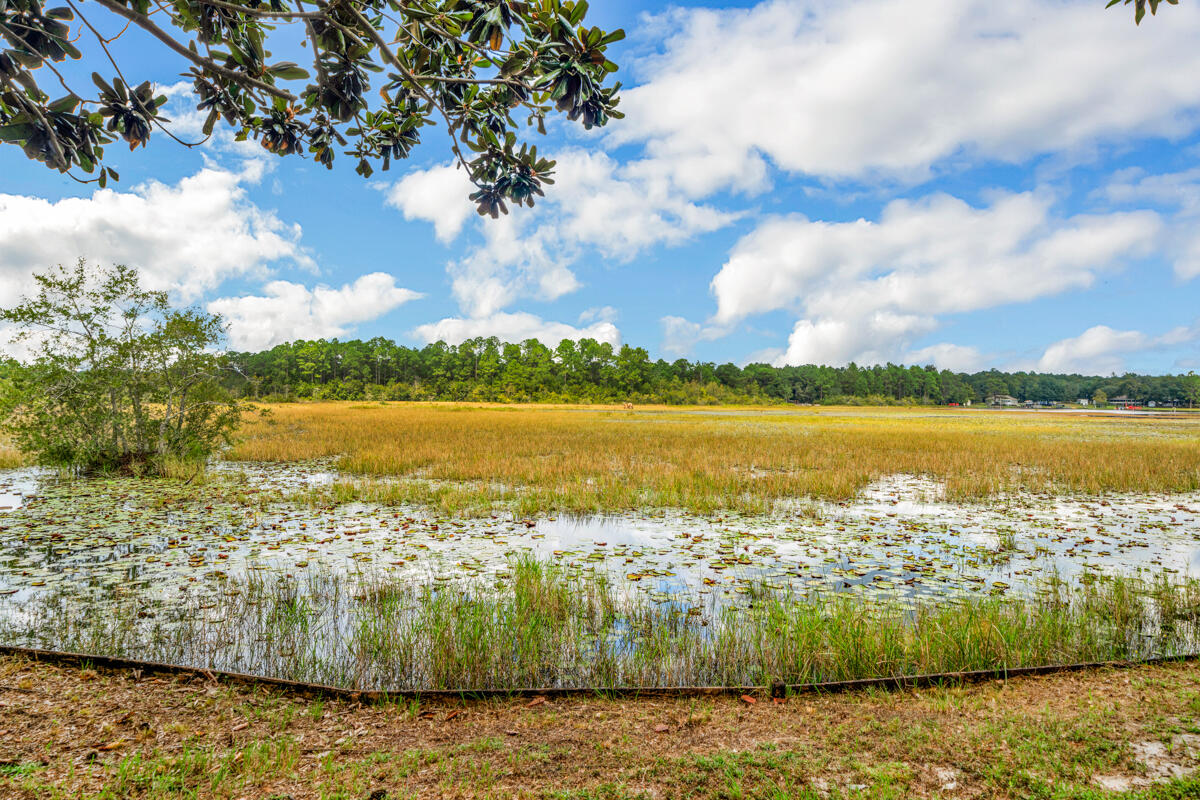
(490, 370)
(473, 67)
(119, 380)
(1140, 6)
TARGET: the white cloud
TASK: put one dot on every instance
(188, 237)
(954, 357)
(620, 209)
(865, 290)
(1098, 350)
(187, 124)
(597, 205)
(437, 195)
(290, 311)
(935, 255)
(873, 338)
(878, 88)
(601, 313)
(514, 327)
(509, 266)
(680, 336)
(863, 90)
(1178, 191)
(1101, 350)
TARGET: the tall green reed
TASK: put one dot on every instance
(542, 626)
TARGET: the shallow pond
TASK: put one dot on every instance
(96, 537)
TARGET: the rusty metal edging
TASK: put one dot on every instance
(380, 696)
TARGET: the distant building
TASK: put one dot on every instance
(1003, 400)
(1083, 401)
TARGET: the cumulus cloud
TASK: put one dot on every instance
(514, 327)
(288, 311)
(1135, 185)
(510, 265)
(1101, 350)
(187, 123)
(871, 93)
(601, 313)
(1098, 350)
(680, 335)
(873, 338)
(871, 89)
(954, 357)
(597, 205)
(866, 289)
(1179, 194)
(187, 237)
(437, 195)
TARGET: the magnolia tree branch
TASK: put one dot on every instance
(386, 50)
(207, 64)
(469, 66)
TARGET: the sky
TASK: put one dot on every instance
(964, 183)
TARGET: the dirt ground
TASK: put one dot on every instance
(79, 733)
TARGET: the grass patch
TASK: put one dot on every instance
(538, 459)
(548, 627)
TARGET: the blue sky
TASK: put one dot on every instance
(958, 182)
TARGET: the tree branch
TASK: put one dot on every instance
(206, 64)
(258, 12)
(100, 40)
(379, 41)
(59, 158)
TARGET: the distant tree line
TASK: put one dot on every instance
(489, 370)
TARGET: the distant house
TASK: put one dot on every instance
(1124, 401)
(1083, 401)
(1003, 400)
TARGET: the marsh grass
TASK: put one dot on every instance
(10, 456)
(538, 459)
(544, 627)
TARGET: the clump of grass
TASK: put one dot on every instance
(465, 500)
(173, 467)
(11, 457)
(543, 626)
(538, 459)
(1006, 546)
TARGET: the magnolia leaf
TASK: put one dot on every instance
(288, 71)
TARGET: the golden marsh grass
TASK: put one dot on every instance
(591, 459)
(10, 457)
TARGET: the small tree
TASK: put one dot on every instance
(118, 380)
(1099, 398)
